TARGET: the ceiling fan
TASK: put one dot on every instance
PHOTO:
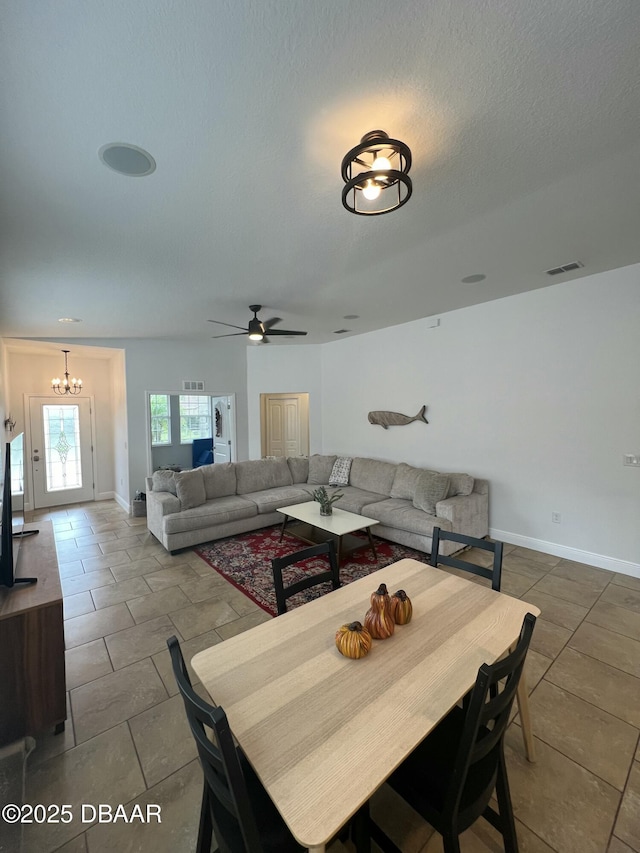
(257, 330)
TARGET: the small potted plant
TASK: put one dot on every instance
(326, 502)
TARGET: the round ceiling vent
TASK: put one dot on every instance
(127, 159)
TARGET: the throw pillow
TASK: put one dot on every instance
(190, 488)
(460, 484)
(320, 468)
(340, 471)
(299, 467)
(163, 481)
(219, 480)
(431, 487)
(404, 481)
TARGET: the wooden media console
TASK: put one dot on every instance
(32, 671)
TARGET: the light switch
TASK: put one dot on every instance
(631, 460)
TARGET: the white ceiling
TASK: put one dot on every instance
(522, 118)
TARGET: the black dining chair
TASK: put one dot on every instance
(494, 574)
(235, 805)
(329, 575)
(451, 775)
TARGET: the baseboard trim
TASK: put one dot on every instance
(125, 505)
(625, 567)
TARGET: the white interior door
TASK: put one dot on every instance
(61, 451)
(285, 424)
(221, 429)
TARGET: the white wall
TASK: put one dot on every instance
(536, 392)
(30, 373)
(284, 370)
(119, 382)
(161, 366)
(120, 433)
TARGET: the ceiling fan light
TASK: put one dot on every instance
(255, 329)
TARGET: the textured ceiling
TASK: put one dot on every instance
(522, 119)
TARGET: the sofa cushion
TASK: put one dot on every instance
(340, 471)
(404, 481)
(269, 500)
(219, 511)
(431, 487)
(460, 484)
(163, 481)
(299, 467)
(255, 475)
(372, 475)
(401, 514)
(320, 468)
(219, 480)
(357, 500)
(190, 488)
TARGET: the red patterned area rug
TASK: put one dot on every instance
(245, 561)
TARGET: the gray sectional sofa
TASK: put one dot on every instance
(214, 501)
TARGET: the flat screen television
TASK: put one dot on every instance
(11, 526)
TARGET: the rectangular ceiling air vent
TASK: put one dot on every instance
(574, 265)
(193, 385)
(341, 331)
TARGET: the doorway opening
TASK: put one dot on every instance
(181, 426)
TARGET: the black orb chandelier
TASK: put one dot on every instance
(376, 175)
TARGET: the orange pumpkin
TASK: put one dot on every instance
(353, 641)
(379, 619)
(401, 607)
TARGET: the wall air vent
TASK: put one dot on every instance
(574, 265)
(193, 385)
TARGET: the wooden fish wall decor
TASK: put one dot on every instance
(387, 419)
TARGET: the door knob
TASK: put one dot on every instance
(36, 458)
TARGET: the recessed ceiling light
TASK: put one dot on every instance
(473, 279)
(69, 320)
(127, 159)
(351, 317)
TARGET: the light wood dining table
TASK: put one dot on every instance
(322, 731)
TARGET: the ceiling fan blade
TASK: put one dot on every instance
(233, 325)
(230, 335)
(285, 332)
(267, 324)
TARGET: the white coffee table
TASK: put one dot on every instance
(315, 528)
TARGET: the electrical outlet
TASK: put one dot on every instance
(631, 460)
(555, 517)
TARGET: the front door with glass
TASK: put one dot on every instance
(61, 456)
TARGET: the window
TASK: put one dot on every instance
(160, 419)
(62, 447)
(195, 418)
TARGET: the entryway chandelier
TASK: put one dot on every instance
(376, 175)
(65, 386)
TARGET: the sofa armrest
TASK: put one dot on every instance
(165, 501)
(468, 514)
(160, 504)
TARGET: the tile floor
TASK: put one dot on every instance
(126, 739)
